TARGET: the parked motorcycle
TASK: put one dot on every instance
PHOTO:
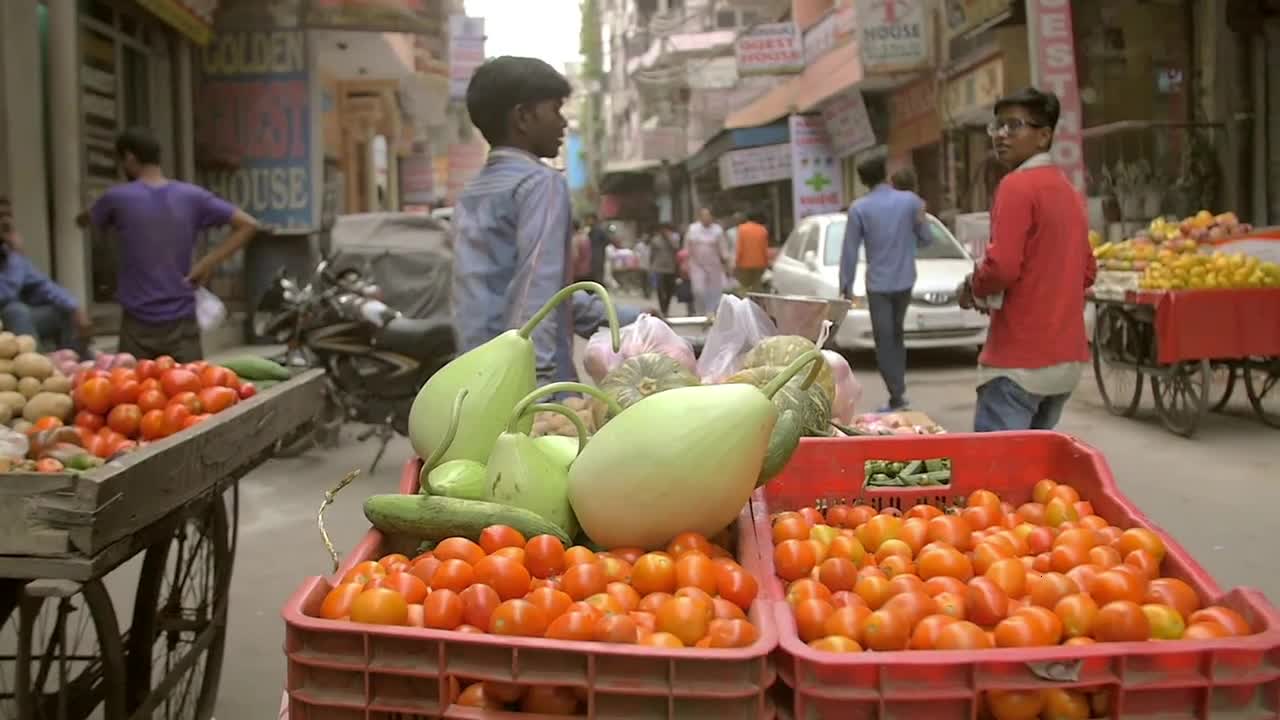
(375, 358)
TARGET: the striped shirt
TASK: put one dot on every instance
(511, 254)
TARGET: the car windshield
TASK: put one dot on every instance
(943, 247)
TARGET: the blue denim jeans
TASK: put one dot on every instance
(888, 314)
(1005, 405)
(46, 323)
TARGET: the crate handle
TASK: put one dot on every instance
(1057, 670)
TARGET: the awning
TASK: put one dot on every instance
(630, 166)
(836, 71)
(192, 19)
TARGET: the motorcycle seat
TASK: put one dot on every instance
(419, 338)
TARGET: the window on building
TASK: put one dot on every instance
(726, 19)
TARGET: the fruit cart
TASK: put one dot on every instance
(63, 653)
(1193, 344)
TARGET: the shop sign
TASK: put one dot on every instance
(894, 34)
(847, 123)
(965, 15)
(975, 91)
(913, 116)
(715, 74)
(466, 52)
(192, 18)
(417, 179)
(819, 39)
(663, 143)
(816, 179)
(770, 49)
(401, 16)
(755, 166)
(846, 15)
(1053, 67)
(255, 106)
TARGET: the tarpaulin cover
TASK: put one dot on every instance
(1214, 324)
(411, 257)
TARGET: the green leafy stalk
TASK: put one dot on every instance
(567, 292)
(519, 412)
(813, 357)
(568, 414)
(455, 418)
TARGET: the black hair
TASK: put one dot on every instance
(501, 84)
(905, 179)
(141, 143)
(577, 225)
(757, 217)
(1043, 107)
(871, 171)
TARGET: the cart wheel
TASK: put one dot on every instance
(1115, 357)
(62, 653)
(1182, 396)
(179, 626)
(1261, 378)
(1222, 382)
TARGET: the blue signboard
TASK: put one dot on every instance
(575, 161)
(254, 125)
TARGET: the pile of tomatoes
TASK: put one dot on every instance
(693, 594)
(116, 409)
(534, 699)
(1048, 572)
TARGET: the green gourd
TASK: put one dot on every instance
(497, 374)
(643, 375)
(463, 479)
(562, 449)
(686, 459)
(523, 476)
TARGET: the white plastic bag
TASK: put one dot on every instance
(647, 334)
(210, 312)
(739, 325)
(848, 389)
(13, 444)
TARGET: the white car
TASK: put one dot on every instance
(809, 264)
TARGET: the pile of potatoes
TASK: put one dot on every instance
(554, 424)
(30, 388)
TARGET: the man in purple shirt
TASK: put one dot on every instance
(157, 223)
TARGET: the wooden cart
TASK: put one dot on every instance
(1134, 338)
(63, 654)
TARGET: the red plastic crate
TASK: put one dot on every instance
(345, 671)
(1228, 678)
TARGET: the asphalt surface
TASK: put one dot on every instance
(1212, 492)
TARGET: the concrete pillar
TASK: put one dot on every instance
(22, 163)
(66, 151)
(184, 119)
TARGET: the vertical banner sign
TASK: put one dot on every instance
(816, 180)
(466, 52)
(895, 34)
(848, 126)
(1053, 67)
(255, 116)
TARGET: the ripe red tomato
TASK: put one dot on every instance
(89, 420)
(518, 617)
(544, 556)
(153, 425)
(164, 363)
(218, 398)
(125, 419)
(337, 604)
(214, 376)
(443, 610)
(409, 586)
(179, 380)
(505, 575)
(247, 390)
(95, 395)
(190, 399)
(146, 369)
(195, 420)
(478, 603)
(380, 606)
(125, 390)
(152, 399)
(174, 418)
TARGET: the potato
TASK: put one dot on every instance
(33, 365)
(47, 404)
(53, 383)
(29, 387)
(14, 399)
(8, 382)
(26, 344)
(22, 425)
(6, 366)
(8, 345)
(6, 414)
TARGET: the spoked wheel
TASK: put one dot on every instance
(60, 652)
(1222, 382)
(1115, 360)
(1261, 381)
(179, 627)
(1182, 396)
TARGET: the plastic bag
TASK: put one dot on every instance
(13, 444)
(647, 334)
(848, 389)
(210, 312)
(739, 325)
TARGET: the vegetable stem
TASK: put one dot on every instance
(568, 414)
(789, 372)
(554, 388)
(568, 291)
(455, 417)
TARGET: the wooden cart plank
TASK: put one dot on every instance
(78, 517)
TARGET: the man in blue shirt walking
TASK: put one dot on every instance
(891, 223)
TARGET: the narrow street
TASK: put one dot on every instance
(1210, 492)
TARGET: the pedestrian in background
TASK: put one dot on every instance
(708, 249)
(580, 251)
(662, 258)
(33, 304)
(599, 241)
(731, 234)
(752, 257)
(1039, 264)
(890, 224)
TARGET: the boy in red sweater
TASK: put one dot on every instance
(1033, 277)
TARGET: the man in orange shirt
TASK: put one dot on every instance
(753, 253)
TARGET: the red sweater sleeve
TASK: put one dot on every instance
(1090, 269)
(1011, 222)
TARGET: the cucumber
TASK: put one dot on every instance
(782, 443)
(937, 464)
(431, 517)
(912, 468)
(252, 367)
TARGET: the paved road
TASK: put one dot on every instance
(1211, 492)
